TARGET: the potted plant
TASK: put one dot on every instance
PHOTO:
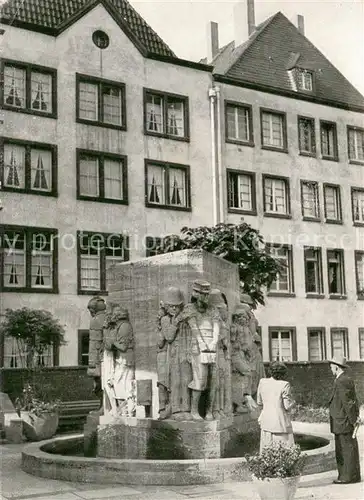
(277, 470)
(40, 418)
(36, 333)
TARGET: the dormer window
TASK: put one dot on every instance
(304, 80)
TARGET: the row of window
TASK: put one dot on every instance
(30, 260)
(283, 343)
(273, 125)
(32, 89)
(32, 167)
(282, 347)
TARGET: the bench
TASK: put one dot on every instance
(72, 414)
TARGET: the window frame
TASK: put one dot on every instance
(28, 231)
(93, 80)
(337, 187)
(300, 71)
(346, 340)
(320, 293)
(361, 347)
(284, 148)
(343, 280)
(323, 343)
(80, 334)
(291, 291)
(288, 214)
(102, 260)
(293, 337)
(335, 156)
(249, 109)
(101, 157)
(167, 166)
(29, 145)
(164, 96)
(308, 218)
(349, 128)
(359, 190)
(29, 68)
(313, 153)
(357, 255)
(235, 172)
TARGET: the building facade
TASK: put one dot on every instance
(110, 141)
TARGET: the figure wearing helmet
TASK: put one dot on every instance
(97, 309)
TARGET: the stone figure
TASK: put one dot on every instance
(97, 310)
(118, 367)
(204, 322)
(223, 383)
(241, 352)
(173, 358)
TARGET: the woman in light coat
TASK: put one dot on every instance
(274, 394)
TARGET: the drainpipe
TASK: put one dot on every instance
(212, 97)
(219, 157)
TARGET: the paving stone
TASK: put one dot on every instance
(118, 492)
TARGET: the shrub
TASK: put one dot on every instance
(30, 401)
(277, 460)
(301, 413)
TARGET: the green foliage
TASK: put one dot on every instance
(277, 460)
(35, 330)
(301, 413)
(165, 444)
(33, 402)
(237, 243)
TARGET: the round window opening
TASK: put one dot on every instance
(100, 39)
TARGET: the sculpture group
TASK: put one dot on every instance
(207, 366)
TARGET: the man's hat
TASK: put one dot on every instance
(241, 309)
(246, 299)
(173, 296)
(216, 298)
(201, 287)
(339, 361)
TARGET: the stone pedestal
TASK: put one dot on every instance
(90, 434)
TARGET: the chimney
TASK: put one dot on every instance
(301, 24)
(212, 40)
(244, 21)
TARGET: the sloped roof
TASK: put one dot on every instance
(53, 16)
(264, 59)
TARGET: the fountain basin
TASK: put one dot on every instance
(58, 459)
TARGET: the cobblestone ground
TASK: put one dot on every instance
(17, 485)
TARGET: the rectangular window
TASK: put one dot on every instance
(29, 259)
(332, 203)
(356, 144)
(304, 80)
(313, 270)
(306, 136)
(276, 196)
(359, 273)
(166, 115)
(167, 185)
(329, 149)
(282, 344)
(102, 177)
(361, 343)
(273, 130)
(83, 346)
(357, 200)
(151, 245)
(239, 124)
(28, 167)
(336, 272)
(100, 102)
(316, 344)
(16, 355)
(29, 88)
(241, 191)
(283, 282)
(339, 343)
(97, 253)
(310, 200)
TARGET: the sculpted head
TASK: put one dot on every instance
(118, 313)
(217, 299)
(96, 305)
(201, 293)
(173, 301)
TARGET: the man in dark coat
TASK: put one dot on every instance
(344, 413)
